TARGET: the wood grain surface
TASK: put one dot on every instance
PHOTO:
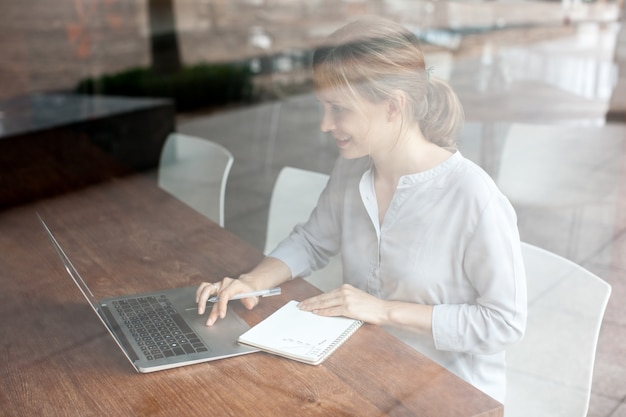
(128, 236)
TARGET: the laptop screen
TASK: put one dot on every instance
(78, 280)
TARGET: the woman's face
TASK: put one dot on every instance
(357, 126)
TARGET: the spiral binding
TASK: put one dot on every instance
(338, 342)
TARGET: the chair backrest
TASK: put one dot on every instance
(294, 197)
(195, 170)
(549, 372)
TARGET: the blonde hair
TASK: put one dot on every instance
(373, 58)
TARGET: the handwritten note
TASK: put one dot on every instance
(300, 335)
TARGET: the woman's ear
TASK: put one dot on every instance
(396, 104)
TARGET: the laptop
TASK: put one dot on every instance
(161, 330)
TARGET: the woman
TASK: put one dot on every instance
(429, 246)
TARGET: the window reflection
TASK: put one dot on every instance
(531, 63)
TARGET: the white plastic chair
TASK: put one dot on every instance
(195, 170)
(549, 373)
(294, 197)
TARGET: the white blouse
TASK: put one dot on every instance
(449, 239)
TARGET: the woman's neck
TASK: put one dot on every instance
(411, 154)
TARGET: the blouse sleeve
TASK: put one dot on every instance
(493, 264)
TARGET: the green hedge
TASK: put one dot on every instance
(191, 88)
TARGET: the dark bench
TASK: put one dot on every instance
(55, 143)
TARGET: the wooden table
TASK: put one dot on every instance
(129, 236)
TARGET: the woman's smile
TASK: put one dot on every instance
(342, 142)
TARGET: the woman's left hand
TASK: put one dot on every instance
(347, 301)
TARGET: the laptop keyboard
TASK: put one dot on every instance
(158, 328)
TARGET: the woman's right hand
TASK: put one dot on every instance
(270, 272)
(224, 290)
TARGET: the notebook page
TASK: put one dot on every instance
(299, 334)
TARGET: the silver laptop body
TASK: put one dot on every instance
(161, 330)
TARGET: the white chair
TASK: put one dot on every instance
(549, 372)
(195, 170)
(294, 197)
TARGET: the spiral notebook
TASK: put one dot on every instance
(300, 335)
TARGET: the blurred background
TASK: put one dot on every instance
(55, 47)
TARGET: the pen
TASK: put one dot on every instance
(262, 293)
